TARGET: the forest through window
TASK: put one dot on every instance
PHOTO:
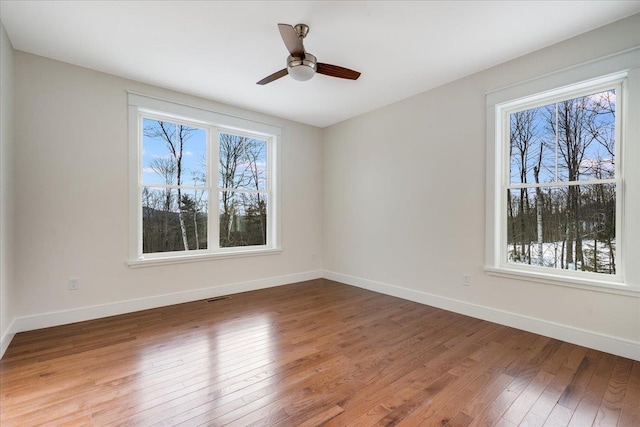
(189, 172)
(562, 188)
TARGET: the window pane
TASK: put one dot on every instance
(243, 162)
(571, 140)
(168, 225)
(532, 146)
(586, 137)
(173, 154)
(571, 227)
(243, 219)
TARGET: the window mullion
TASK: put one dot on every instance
(173, 186)
(214, 192)
(515, 186)
(244, 190)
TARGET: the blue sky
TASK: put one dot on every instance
(595, 153)
(194, 160)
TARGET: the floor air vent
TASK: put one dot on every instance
(214, 299)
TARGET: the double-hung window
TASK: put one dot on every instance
(204, 184)
(562, 177)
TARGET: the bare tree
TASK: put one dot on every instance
(579, 123)
(254, 151)
(242, 178)
(522, 137)
(166, 168)
(539, 206)
(231, 177)
(175, 136)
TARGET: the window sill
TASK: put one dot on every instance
(202, 256)
(610, 287)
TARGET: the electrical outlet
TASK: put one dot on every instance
(74, 284)
(466, 280)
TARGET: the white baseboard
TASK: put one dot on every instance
(610, 344)
(56, 318)
(7, 337)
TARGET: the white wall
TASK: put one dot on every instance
(404, 204)
(6, 190)
(71, 198)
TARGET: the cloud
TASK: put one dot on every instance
(604, 98)
(602, 165)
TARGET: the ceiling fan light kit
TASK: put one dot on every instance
(302, 69)
(301, 65)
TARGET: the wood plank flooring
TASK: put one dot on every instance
(309, 354)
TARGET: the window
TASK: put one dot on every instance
(562, 190)
(562, 184)
(205, 184)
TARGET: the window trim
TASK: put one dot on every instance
(142, 106)
(564, 83)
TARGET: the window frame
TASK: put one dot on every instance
(141, 107)
(622, 69)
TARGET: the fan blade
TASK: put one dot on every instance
(291, 40)
(335, 71)
(274, 76)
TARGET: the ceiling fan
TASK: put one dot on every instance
(301, 65)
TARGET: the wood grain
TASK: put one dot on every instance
(309, 354)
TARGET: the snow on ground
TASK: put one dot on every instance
(552, 255)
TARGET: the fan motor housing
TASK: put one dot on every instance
(302, 68)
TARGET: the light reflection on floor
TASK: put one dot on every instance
(205, 357)
(243, 342)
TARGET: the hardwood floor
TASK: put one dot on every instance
(308, 354)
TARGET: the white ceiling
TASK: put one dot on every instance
(219, 50)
